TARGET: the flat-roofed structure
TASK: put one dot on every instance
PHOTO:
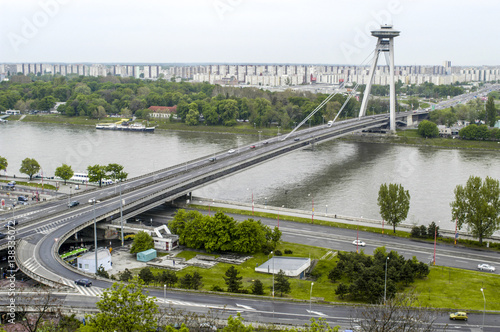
(291, 266)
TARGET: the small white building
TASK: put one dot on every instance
(164, 239)
(291, 266)
(86, 262)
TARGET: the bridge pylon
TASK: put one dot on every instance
(385, 43)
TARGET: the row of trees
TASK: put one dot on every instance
(223, 233)
(476, 206)
(362, 277)
(475, 109)
(97, 173)
(479, 133)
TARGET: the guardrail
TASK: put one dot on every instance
(20, 246)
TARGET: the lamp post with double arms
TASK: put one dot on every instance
(385, 285)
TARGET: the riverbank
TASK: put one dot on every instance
(410, 137)
(403, 137)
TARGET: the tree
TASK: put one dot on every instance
(477, 205)
(491, 111)
(3, 163)
(124, 308)
(35, 308)
(342, 290)
(192, 117)
(115, 172)
(142, 241)
(394, 203)
(235, 324)
(281, 283)
(29, 167)
(257, 287)
(196, 281)
(233, 280)
(64, 172)
(146, 275)
(125, 275)
(402, 313)
(191, 281)
(428, 129)
(96, 173)
(101, 272)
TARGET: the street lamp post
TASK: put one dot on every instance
(312, 208)
(272, 253)
(326, 210)
(310, 296)
(278, 131)
(484, 309)
(69, 197)
(435, 238)
(385, 285)
(121, 213)
(95, 234)
(165, 293)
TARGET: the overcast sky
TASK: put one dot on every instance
(247, 31)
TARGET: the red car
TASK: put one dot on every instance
(252, 147)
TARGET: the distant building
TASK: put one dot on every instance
(162, 111)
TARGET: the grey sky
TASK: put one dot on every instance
(246, 31)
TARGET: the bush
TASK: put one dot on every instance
(216, 288)
(415, 231)
(288, 252)
(278, 253)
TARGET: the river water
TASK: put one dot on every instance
(337, 177)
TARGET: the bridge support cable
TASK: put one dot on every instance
(323, 103)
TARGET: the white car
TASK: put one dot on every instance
(231, 151)
(486, 267)
(358, 243)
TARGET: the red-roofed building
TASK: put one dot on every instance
(162, 111)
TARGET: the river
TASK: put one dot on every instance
(338, 177)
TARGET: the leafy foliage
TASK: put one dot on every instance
(428, 129)
(3, 163)
(477, 205)
(64, 172)
(142, 241)
(233, 280)
(29, 167)
(394, 203)
(281, 283)
(124, 308)
(221, 233)
(257, 287)
(146, 275)
(96, 173)
(363, 277)
(126, 275)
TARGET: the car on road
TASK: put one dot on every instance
(265, 142)
(358, 243)
(73, 204)
(231, 151)
(252, 147)
(486, 267)
(296, 139)
(212, 159)
(459, 316)
(83, 282)
(11, 223)
(22, 199)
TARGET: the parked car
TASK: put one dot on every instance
(83, 282)
(22, 199)
(265, 142)
(359, 243)
(459, 316)
(74, 203)
(486, 267)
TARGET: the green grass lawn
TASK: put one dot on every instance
(459, 289)
(34, 184)
(448, 288)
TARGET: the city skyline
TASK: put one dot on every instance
(239, 31)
